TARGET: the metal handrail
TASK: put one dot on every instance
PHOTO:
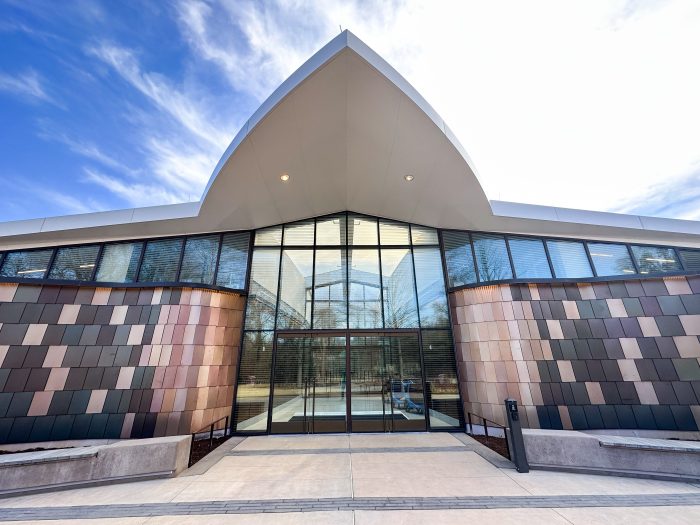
(211, 436)
(486, 428)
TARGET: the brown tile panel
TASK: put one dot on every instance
(105, 363)
(622, 354)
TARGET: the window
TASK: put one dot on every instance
(294, 309)
(27, 265)
(393, 233)
(362, 230)
(441, 379)
(691, 259)
(651, 259)
(330, 285)
(430, 283)
(253, 388)
(119, 262)
(610, 259)
(75, 264)
(269, 236)
(423, 235)
(492, 257)
(233, 262)
(330, 231)
(399, 293)
(364, 299)
(262, 294)
(459, 258)
(529, 258)
(569, 259)
(199, 261)
(160, 261)
(299, 233)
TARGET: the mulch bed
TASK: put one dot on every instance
(497, 444)
(200, 448)
(2, 452)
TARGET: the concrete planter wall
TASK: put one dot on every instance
(577, 451)
(129, 460)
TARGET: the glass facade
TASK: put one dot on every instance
(471, 259)
(216, 259)
(346, 302)
(347, 324)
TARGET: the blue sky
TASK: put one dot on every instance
(109, 105)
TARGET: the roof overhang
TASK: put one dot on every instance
(347, 128)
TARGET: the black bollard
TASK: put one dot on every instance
(517, 445)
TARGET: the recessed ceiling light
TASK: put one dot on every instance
(284, 177)
(408, 178)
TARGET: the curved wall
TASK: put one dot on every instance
(618, 354)
(86, 362)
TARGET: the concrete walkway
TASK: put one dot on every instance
(363, 479)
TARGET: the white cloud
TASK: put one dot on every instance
(136, 194)
(82, 147)
(580, 104)
(28, 85)
(159, 90)
(177, 160)
(240, 38)
(577, 104)
(55, 199)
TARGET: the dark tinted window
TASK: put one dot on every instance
(430, 283)
(233, 263)
(459, 258)
(160, 261)
(491, 257)
(27, 265)
(76, 263)
(199, 261)
(652, 259)
(691, 260)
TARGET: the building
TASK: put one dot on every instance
(344, 271)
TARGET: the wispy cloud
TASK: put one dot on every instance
(678, 198)
(254, 51)
(160, 91)
(53, 199)
(29, 85)
(176, 160)
(136, 194)
(612, 105)
(85, 148)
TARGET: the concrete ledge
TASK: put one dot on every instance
(661, 445)
(128, 460)
(573, 451)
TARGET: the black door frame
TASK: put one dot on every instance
(347, 334)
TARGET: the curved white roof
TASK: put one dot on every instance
(347, 128)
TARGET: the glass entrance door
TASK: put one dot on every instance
(311, 392)
(386, 383)
(309, 385)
